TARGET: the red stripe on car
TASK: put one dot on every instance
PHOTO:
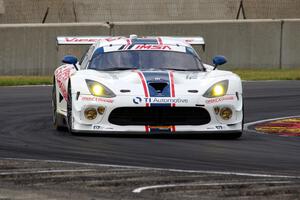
(147, 129)
(172, 86)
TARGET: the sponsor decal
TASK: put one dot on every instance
(220, 99)
(152, 47)
(160, 100)
(283, 127)
(219, 127)
(99, 127)
(96, 99)
(63, 90)
(62, 74)
(82, 39)
(74, 39)
(137, 100)
(215, 127)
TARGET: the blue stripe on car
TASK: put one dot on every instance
(158, 77)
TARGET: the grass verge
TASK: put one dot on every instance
(25, 80)
(245, 74)
(268, 74)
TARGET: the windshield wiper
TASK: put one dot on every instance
(118, 68)
(175, 69)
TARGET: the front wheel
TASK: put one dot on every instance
(69, 110)
(57, 118)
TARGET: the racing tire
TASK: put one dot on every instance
(69, 110)
(58, 119)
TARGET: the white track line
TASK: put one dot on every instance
(44, 171)
(159, 169)
(151, 187)
(246, 126)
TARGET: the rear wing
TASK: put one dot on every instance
(83, 40)
(196, 40)
(88, 40)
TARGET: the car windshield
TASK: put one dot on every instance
(145, 60)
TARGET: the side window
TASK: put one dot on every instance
(86, 57)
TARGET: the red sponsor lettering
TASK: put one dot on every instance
(97, 99)
(91, 39)
(81, 40)
(217, 100)
(152, 47)
(62, 89)
(113, 39)
(62, 74)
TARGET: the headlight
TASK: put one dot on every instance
(217, 90)
(99, 90)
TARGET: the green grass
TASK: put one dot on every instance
(245, 74)
(25, 80)
(268, 74)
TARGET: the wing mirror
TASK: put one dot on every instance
(219, 60)
(69, 59)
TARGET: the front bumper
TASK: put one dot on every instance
(101, 123)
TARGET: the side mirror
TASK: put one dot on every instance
(219, 60)
(70, 60)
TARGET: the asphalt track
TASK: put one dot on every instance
(27, 132)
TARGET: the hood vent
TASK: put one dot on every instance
(159, 87)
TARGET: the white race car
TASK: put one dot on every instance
(145, 85)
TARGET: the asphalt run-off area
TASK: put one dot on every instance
(38, 162)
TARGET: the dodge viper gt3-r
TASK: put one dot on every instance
(145, 85)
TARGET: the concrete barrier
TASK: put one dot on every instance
(31, 49)
(58, 11)
(251, 43)
(2, 9)
(291, 43)
(33, 11)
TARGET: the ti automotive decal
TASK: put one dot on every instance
(160, 100)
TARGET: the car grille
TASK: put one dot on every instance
(158, 116)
